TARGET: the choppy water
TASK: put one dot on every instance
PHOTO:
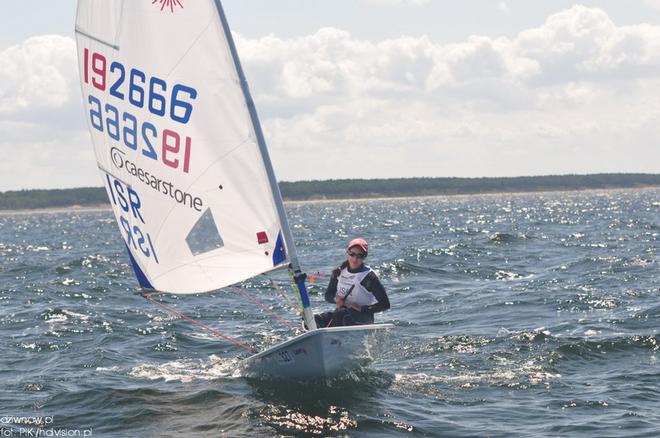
(516, 315)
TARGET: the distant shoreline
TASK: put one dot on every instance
(107, 207)
(339, 190)
(459, 195)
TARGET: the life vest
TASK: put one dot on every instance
(359, 295)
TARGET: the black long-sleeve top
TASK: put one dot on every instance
(370, 283)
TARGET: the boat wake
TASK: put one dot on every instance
(185, 370)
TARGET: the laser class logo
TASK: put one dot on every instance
(168, 4)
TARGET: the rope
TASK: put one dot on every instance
(282, 293)
(201, 324)
(147, 296)
(263, 307)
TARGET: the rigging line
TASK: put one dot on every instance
(201, 324)
(263, 307)
(282, 293)
(152, 294)
(119, 23)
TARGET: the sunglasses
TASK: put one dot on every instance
(359, 255)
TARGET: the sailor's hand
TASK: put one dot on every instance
(355, 307)
(339, 302)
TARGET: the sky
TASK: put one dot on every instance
(380, 88)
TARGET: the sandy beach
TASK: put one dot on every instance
(71, 209)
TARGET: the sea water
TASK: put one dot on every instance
(515, 315)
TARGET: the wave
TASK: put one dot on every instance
(507, 373)
(184, 371)
(501, 237)
(44, 346)
(508, 275)
(595, 346)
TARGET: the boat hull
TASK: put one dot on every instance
(319, 354)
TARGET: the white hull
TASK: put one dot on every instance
(318, 354)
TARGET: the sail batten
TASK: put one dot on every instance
(98, 40)
(179, 146)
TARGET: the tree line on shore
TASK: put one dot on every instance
(361, 188)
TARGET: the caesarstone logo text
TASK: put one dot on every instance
(167, 188)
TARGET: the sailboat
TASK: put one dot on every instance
(185, 165)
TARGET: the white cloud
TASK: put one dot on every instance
(551, 87)
(631, 50)
(576, 94)
(574, 45)
(40, 74)
(42, 131)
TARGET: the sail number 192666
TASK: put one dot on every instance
(136, 87)
(118, 100)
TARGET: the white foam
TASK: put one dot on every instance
(81, 316)
(529, 372)
(189, 370)
(53, 319)
(70, 282)
(108, 369)
(34, 248)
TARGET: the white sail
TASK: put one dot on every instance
(177, 145)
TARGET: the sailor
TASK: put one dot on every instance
(355, 290)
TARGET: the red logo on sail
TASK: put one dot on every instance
(262, 237)
(168, 4)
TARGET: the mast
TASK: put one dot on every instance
(298, 275)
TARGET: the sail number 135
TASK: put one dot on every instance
(132, 85)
